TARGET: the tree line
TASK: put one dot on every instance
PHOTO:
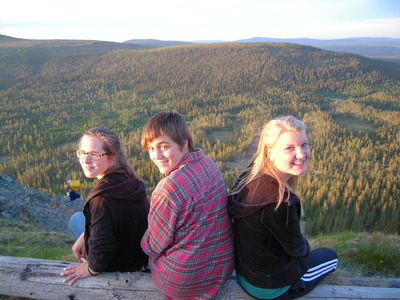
(226, 92)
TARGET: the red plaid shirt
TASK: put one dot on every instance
(189, 239)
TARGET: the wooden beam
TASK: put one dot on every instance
(40, 279)
(370, 281)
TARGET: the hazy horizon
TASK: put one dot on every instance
(182, 20)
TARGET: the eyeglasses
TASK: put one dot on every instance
(93, 155)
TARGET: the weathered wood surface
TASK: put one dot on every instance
(40, 279)
(370, 281)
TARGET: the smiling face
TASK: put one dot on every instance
(166, 154)
(96, 168)
(290, 154)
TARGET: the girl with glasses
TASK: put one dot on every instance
(114, 218)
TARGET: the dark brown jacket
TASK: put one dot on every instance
(116, 218)
(268, 242)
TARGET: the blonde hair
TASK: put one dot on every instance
(112, 145)
(261, 163)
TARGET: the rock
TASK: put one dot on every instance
(26, 205)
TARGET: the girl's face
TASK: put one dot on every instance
(98, 167)
(166, 154)
(290, 154)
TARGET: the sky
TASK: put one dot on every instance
(195, 20)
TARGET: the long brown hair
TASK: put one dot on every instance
(261, 163)
(112, 145)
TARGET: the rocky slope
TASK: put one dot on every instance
(26, 205)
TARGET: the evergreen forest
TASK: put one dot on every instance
(351, 105)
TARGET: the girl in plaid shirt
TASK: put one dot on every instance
(189, 239)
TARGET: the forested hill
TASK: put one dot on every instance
(226, 92)
(22, 57)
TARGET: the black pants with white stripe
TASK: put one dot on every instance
(320, 263)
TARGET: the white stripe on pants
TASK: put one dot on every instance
(320, 270)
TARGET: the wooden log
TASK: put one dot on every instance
(371, 281)
(40, 279)
(344, 292)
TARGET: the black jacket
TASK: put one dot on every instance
(116, 218)
(268, 242)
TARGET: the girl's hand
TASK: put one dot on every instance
(78, 249)
(76, 272)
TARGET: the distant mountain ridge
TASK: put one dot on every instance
(368, 41)
(374, 47)
(378, 47)
(156, 43)
(368, 46)
(58, 46)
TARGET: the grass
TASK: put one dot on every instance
(364, 254)
(222, 135)
(355, 126)
(4, 159)
(360, 254)
(23, 240)
(332, 95)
